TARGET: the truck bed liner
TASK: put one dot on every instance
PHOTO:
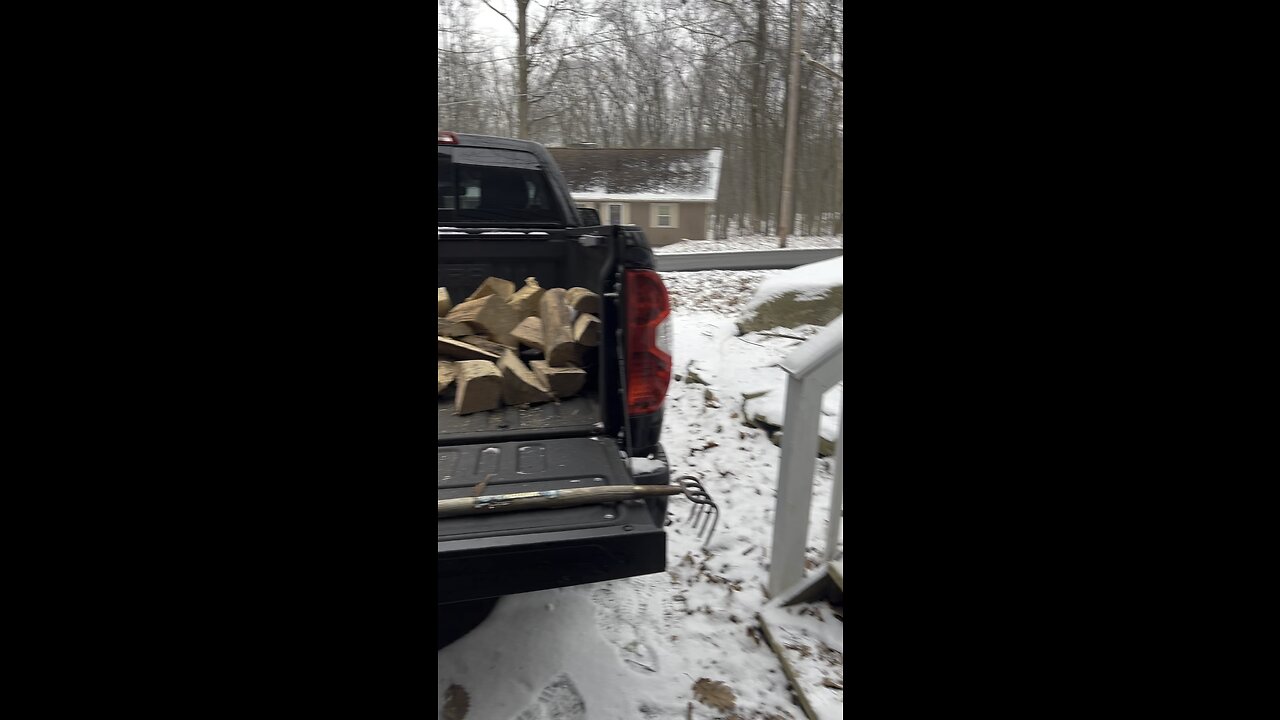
(572, 416)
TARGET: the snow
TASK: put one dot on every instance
(646, 465)
(632, 649)
(752, 242)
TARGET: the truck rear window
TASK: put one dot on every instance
(491, 185)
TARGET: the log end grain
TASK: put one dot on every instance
(583, 300)
(586, 330)
(529, 333)
(479, 387)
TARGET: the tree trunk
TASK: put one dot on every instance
(759, 79)
(793, 115)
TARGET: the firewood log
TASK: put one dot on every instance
(557, 329)
(479, 387)
(443, 303)
(493, 286)
(525, 300)
(449, 328)
(529, 333)
(448, 347)
(486, 345)
(583, 300)
(563, 382)
(519, 384)
(586, 330)
(488, 316)
(445, 373)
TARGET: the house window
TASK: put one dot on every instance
(665, 216)
(615, 213)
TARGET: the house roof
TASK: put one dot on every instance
(640, 174)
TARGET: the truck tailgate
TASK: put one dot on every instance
(504, 553)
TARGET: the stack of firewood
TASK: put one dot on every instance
(485, 336)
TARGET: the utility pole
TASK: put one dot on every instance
(786, 216)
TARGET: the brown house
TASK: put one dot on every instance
(668, 192)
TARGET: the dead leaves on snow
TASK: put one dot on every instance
(456, 703)
(714, 693)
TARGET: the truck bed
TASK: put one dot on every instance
(572, 416)
(556, 259)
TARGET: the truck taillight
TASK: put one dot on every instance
(648, 341)
(446, 138)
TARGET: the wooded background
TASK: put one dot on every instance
(659, 73)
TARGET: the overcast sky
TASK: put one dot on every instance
(492, 25)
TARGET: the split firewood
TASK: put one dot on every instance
(449, 328)
(488, 315)
(479, 387)
(529, 333)
(443, 303)
(525, 300)
(563, 382)
(494, 286)
(448, 347)
(445, 373)
(519, 384)
(586, 330)
(557, 332)
(583, 300)
(488, 346)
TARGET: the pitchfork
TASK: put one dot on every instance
(688, 485)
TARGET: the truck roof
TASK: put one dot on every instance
(493, 141)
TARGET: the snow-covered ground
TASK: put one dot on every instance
(674, 645)
(751, 242)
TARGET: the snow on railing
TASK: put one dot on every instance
(812, 369)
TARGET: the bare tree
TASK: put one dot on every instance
(672, 73)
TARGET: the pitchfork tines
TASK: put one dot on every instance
(705, 513)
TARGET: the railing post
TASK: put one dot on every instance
(811, 370)
(795, 483)
(837, 491)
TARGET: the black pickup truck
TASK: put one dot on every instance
(504, 210)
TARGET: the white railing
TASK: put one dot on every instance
(812, 369)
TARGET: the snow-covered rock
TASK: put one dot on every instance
(807, 295)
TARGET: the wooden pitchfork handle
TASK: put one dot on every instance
(551, 499)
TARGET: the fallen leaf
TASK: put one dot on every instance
(479, 488)
(800, 648)
(714, 694)
(455, 703)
